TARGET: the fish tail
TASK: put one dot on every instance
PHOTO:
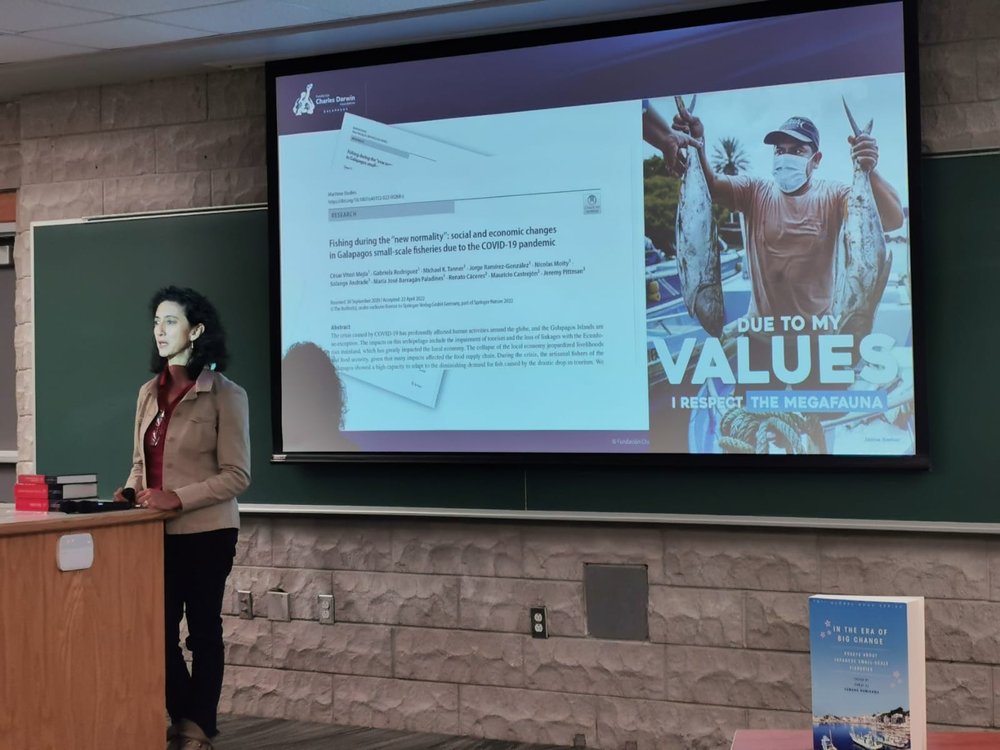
(710, 309)
(850, 117)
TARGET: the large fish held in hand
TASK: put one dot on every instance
(697, 258)
(863, 261)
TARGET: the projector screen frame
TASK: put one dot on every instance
(453, 47)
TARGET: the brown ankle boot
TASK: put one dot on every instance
(191, 737)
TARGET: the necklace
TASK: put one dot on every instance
(156, 433)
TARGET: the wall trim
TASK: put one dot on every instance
(788, 522)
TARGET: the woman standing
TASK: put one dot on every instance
(192, 455)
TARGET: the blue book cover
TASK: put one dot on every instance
(868, 675)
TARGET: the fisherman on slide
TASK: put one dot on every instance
(793, 221)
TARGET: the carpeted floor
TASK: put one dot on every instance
(247, 733)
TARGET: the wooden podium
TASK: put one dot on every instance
(81, 651)
(801, 739)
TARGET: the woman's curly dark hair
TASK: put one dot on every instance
(207, 349)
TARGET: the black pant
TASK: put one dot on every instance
(195, 568)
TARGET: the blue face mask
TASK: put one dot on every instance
(790, 171)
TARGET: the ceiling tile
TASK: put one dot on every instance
(118, 34)
(249, 15)
(134, 7)
(14, 49)
(361, 8)
(28, 15)
(313, 31)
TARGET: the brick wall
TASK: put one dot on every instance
(175, 143)
(960, 74)
(432, 615)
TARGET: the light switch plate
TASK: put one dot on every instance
(244, 604)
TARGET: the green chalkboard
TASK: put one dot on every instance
(93, 281)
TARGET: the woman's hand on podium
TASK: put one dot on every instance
(158, 500)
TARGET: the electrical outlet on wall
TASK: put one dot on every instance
(326, 610)
(539, 623)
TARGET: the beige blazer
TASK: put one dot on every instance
(206, 459)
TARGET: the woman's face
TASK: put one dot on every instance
(173, 333)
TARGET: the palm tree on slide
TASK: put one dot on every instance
(729, 157)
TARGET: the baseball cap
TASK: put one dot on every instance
(799, 128)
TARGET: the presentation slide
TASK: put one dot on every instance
(478, 280)
(624, 253)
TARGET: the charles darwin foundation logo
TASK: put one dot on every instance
(307, 104)
(304, 105)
